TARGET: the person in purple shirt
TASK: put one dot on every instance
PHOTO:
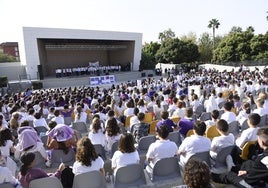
(166, 121)
(27, 173)
(186, 123)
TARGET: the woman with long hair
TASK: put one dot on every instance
(112, 133)
(96, 134)
(87, 159)
(80, 115)
(27, 173)
(126, 153)
(6, 142)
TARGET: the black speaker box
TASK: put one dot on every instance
(40, 72)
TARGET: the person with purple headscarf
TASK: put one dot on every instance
(29, 141)
(62, 137)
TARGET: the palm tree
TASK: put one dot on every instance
(214, 24)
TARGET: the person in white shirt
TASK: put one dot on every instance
(134, 119)
(249, 134)
(94, 100)
(228, 115)
(126, 153)
(219, 99)
(6, 143)
(96, 134)
(180, 111)
(160, 149)
(151, 103)
(224, 140)
(195, 102)
(3, 123)
(210, 104)
(119, 108)
(39, 121)
(157, 109)
(260, 110)
(214, 118)
(30, 115)
(87, 160)
(112, 133)
(173, 106)
(80, 115)
(244, 113)
(130, 108)
(264, 96)
(195, 143)
(6, 175)
(141, 106)
(51, 113)
(58, 118)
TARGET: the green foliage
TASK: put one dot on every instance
(6, 58)
(175, 51)
(236, 46)
(242, 46)
(148, 60)
(259, 46)
(205, 47)
(235, 29)
(191, 36)
(167, 34)
(214, 24)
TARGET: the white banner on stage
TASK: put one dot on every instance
(98, 80)
(94, 64)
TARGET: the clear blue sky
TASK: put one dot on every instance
(144, 16)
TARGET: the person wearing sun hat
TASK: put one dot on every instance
(29, 141)
(62, 137)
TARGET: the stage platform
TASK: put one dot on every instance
(53, 82)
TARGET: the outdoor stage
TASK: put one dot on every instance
(53, 82)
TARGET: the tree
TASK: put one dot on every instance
(214, 24)
(259, 46)
(242, 46)
(149, 50)
(167, 34)
(191, 36)
(176, 51)
(6, 58)
(205, 47)
(236, 29)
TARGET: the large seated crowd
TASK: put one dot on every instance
(104, 129)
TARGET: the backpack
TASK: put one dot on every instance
(67, 177)
(140, 130)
